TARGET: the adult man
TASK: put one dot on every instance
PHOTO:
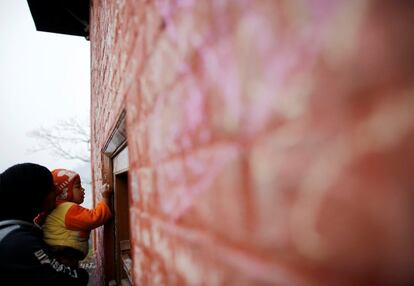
(25, 259)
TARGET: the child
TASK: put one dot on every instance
(68, 226)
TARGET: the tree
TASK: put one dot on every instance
(68, 139)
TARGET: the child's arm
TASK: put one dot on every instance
(83, 219)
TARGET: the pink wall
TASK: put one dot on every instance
(270, 142)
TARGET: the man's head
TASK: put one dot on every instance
(68, 185)
(25, 190)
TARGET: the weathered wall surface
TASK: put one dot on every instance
(270, 142)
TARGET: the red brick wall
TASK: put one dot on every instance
(270, 142)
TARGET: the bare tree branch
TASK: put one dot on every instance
(67, 139)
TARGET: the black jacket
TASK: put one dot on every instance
(25, 259)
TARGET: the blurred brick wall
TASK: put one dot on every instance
(270, 142)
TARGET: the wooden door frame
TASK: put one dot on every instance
(115, 161)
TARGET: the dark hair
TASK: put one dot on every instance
(23, 189)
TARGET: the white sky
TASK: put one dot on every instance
(44, 77)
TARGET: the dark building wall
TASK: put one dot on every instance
(270, 142)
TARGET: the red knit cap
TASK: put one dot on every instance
(64, 180)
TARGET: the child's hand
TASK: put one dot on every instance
(106, 191)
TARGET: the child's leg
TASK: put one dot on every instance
(68, 256)
(69, 261)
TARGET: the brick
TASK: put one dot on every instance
(216, 183)
(178, 122)
(162, 68)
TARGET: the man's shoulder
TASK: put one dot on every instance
(19, 242)
(6, 229)
(9, 226)
(14, 232)
(9, 222)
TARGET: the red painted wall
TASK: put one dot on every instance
(270, 142)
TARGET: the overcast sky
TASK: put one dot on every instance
(44, 77)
